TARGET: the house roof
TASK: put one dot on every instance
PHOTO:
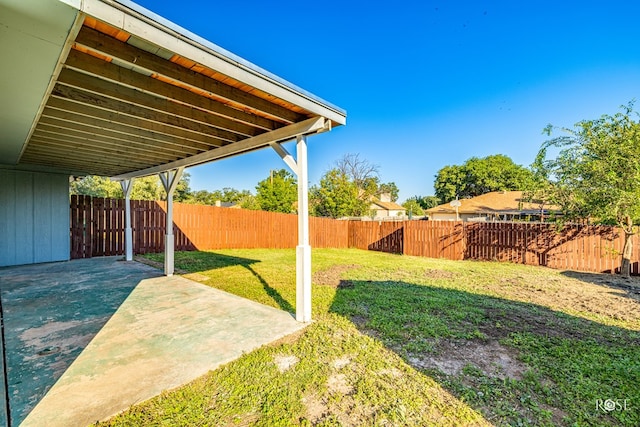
(106, 87)
(494, 202)
(390, 206)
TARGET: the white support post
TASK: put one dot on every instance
(127, 185)
(169, 182)
(303, 251)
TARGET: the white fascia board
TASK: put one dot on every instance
(142, 23)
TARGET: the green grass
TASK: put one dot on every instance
(414, 341)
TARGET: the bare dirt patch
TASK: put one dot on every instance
(333, 275)
(432, 273)
(343, 411)
(490, 357)
(594, 294)
(341, 362)
(284, 363)
(316, 408)
(628, 285)
(337, 383)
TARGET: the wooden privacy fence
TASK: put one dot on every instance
(572, 247)
(97, 229)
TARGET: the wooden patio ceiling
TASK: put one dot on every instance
(121, 104)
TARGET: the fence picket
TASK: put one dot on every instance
(97, 229)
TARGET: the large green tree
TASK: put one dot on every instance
(596, 173)
(278, 192)
(479, 176)
(337, 196)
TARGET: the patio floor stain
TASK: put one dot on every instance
(87, 339)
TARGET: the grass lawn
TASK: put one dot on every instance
(400, 340)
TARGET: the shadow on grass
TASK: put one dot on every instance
(627, 286)
(203, 261)
(517, 363)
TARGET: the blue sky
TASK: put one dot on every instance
(425, 83)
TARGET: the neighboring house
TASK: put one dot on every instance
(383, 207)
(494, 206)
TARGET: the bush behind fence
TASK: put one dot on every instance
(97, 229)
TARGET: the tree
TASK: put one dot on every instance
(337, 196)
(203, 197)
(418, 204)
(243, 198)
(389, 188)
(278, 192)
(147, 188)
(365, 176)
(182, 193)
(413, 207)
(479, 176)
(596, 173)
(428, 202)
(144, 188)
(248, 201)
(450, 182)
(96, 186)
(359, 171)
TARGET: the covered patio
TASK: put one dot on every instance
(86, 339)
(106, 87)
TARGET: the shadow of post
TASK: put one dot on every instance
(206, 260)
(272, 292)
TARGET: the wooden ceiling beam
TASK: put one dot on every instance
(103, 94)
(119, 118)
(42, 151)
(133, 96)
(77, 168)
(108, 46)
(80, 138)
(134, 137)
(227, 117)
(45, 137)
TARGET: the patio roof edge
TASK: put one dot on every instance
(137, 20)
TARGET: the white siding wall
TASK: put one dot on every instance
(34, 217)
(443, 217)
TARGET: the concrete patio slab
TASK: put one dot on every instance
(87, 339)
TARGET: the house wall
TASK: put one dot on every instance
(451, 216)
(442, 216)
(380, 213)
(34, 217)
